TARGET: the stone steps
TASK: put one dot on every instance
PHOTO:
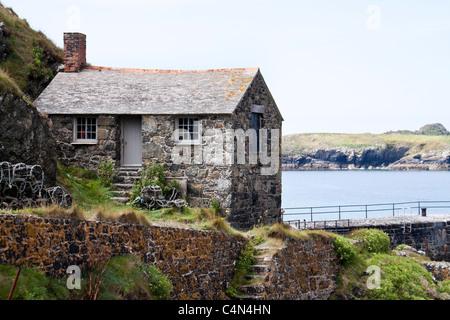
(252, 290)
(124, 186)
(127, 175)
(260, 268)
(123, 200)
(122, 193)
(124, 180)
(256, 288)
(258, 280)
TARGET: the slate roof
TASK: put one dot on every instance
(98, 90)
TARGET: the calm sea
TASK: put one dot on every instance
(361, 187)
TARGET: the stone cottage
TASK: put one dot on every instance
(218, 131)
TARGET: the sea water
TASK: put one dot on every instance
(364, 187)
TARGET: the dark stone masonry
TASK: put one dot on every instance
(200, 264)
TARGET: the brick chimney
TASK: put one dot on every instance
(74, 51)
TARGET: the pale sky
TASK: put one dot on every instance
(350, 66)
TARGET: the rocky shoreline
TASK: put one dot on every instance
(388, 158)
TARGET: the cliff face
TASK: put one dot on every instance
(25, 136)
(412, 153)
(28, 62)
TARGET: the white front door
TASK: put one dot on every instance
(131, 141)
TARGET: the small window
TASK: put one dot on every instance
(187, 130)
(85, 129)
(257, 123)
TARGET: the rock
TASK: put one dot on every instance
(388, 157)
(439, 269)
(25, 136)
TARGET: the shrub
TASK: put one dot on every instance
(243, 267)
(444, 289)
(154, 175)
(345, 251)
(246, 258)
(258, 239)
(215, 206)
(174, 184)
(106, 172)
(127, 277)
(160, 285)
(373, 240)
(402, 278)
(151, 175)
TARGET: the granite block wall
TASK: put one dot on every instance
(200, 264)
(84, 155)
(303, 270)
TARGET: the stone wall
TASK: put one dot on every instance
(87, 155)
(200, 264)
(256, 197)
(432, 237)
(303, 270)
(206, 180)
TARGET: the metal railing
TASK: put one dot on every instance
(355, 211)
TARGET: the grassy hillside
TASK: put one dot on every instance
(417, 143)
(29, 59)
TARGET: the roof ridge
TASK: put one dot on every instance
(169, 71)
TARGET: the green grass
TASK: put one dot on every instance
(124, 278)
(25, 47)
(128, 278)
(32, 285)
(86, 189)
(9, 85)
(401, 278)
(243, 267)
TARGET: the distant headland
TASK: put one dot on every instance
(425, 149)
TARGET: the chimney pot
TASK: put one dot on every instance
(74, 51)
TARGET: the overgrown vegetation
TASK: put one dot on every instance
(372, 240)
(128, 278)
(154, 175)
(243, 267)
(118, 278)
(401, 278)
(106, 172)
(32, 285)
(84, 185)
(345, 251)
(29, 54)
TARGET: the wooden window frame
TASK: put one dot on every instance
(188, 135)
(77, 125)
